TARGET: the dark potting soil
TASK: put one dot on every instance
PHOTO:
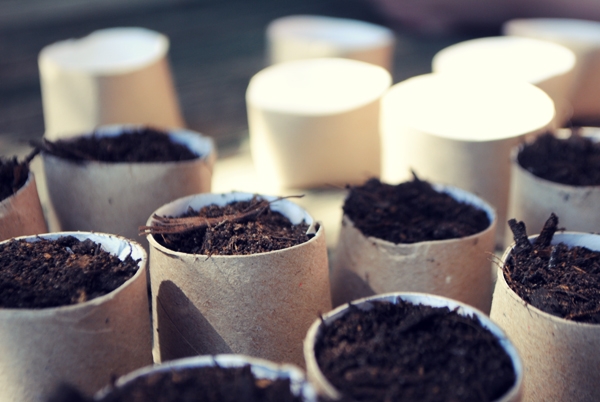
(206, 384)
(560, 280)
(137, 145)
(239, 228)
(411, 212)
(574, 160)
(408, 352)
(52, 273)
(13, 176)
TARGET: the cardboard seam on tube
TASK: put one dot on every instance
(21, 214)
(259, 304)
(570, 371)
(85, 344)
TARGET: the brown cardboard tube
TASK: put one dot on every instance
(21, 214)
(83, 344)
(260, 305)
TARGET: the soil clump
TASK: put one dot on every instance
(207, 384)
(238, 228)
(408, 352)
(411, 212)
(13, 175)
(52, 273)
(143, 145)
(560, 280)
(573, 161)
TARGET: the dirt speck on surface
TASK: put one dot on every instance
(411, 212)
(560, 280)
(409, 352)
(134, 145)
(52, 273)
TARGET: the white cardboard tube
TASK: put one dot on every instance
(460, 131)
(547, 65)
(261, 369)
(560, 357)
(533, 199)
(316, 122)
(111, 76)
(119, 197)
(456, 268)
(313, 36)
(325, 388)
(21, 213)
(260, 304)
(83, 344)
(583, 38)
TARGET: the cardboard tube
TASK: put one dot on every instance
(583, 38)
(456, 268)
(298, 37)
(560, 357)
(261, 369)
(260, 305)
(547, 65)
(326, 389)
(83, 344)
(119, 197)
(111, 76)
(21, 214)
(316, 122)
(460, 131)
(533, 199)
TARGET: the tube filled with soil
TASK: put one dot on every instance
(111, 180)
(74, 308)
(20, 209)
(238, 273)
(414, 237)
(557, 173)
(411, 347)
(546, 299)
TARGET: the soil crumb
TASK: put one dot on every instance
(411, 212)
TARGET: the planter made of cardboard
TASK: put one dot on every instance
(547, 65)
(460, 131)
(560, 357)
(260, 304)
(533, 199)
(261, 369)
(297, 37)
(119, 197)
(456, 268)
(111, 76)
(21, 214)
(84, 344)
(316, 122)
(583, 38)
(325, 388)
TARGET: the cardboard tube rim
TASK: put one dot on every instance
(203, 199)
(5, 203)
(564, 32)
(459, 195)
(413, 297)
(261, 368)
(573, 239)
(137, 251)
(198, 143)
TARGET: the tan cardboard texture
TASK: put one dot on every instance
(316, 122)
(457, 268)
(326, 389)
(21, 214)
(261, 369)
(260, 305)
(119, 197)
(83, 344)
(560, 357)
(111, 76)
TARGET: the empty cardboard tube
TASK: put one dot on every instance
(84, 344)
(21, 214)
(259, 305)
